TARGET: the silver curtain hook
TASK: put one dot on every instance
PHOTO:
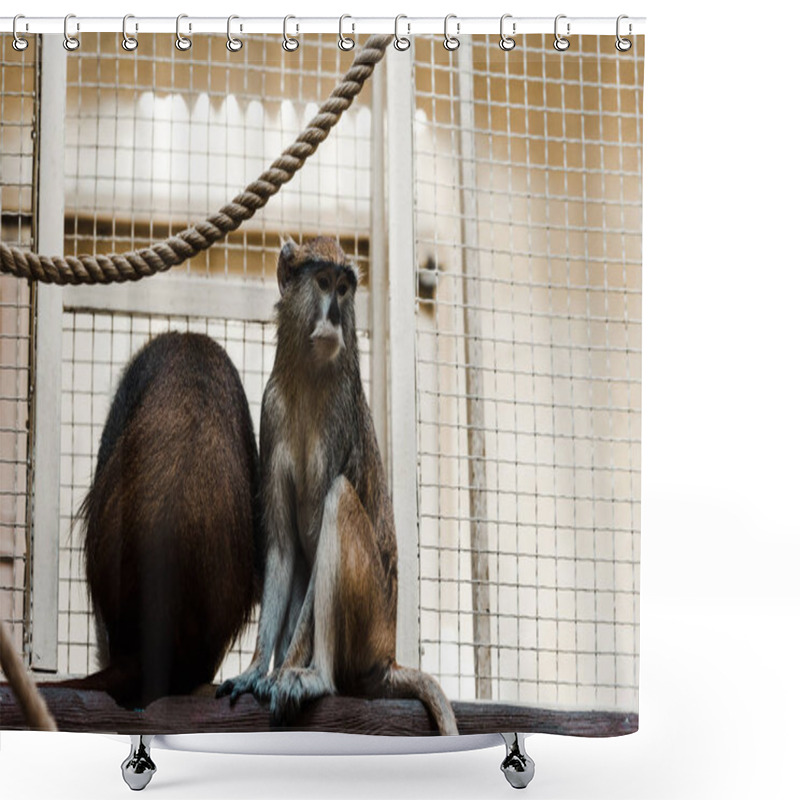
(560, 42)
(70, 42)
(450, 42)
(401, 42)
(181, 42)
(623, 45)
(234, 45)
(19, 42)
(129, 42)
(507, 42)
(345, 43)
(290, 44)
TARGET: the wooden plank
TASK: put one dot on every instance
(95, 712)
(183, 296)
(46, 406)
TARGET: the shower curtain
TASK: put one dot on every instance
(487, 202)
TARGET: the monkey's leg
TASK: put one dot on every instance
(301, 643)
(278, 580)
(300, 587)
(298, 635)
(294, 678)
(353, 635)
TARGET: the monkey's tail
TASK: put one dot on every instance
(413, 683)
(33, 706)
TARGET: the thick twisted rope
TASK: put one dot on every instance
(176, 249)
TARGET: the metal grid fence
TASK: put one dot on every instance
(162, 137)
(159, 138)
(528, 219)
(528, 316)
(17, 124)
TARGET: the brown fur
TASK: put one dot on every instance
(363, 609)
(320, 248)
(329, 608)
(172, 559)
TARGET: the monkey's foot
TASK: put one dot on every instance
(292, 688)
(253, 680)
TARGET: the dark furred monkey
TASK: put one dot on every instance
(329, 607)
(172, 558)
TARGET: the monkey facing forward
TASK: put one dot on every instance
(329, 608)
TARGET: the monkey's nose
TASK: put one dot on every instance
(334, 315)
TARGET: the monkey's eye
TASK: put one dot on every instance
(342, 289)
(324, 283)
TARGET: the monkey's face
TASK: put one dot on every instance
(317, 293)
(333, 291)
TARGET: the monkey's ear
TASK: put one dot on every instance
(286, 263)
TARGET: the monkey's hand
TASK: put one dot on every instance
(254, 680)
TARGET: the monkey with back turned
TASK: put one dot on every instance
(329, 607)
(173, 563)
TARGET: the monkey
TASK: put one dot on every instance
(329, 607)
(173, 563)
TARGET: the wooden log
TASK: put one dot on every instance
(82, 711)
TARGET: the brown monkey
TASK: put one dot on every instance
(329, 607)
(172, 558)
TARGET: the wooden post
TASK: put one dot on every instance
(46, 374)
(378, 277)
(402, 325)
(473, 339)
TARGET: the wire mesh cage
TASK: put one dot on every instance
(525, 408)
(528, 215)
(17, 126)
